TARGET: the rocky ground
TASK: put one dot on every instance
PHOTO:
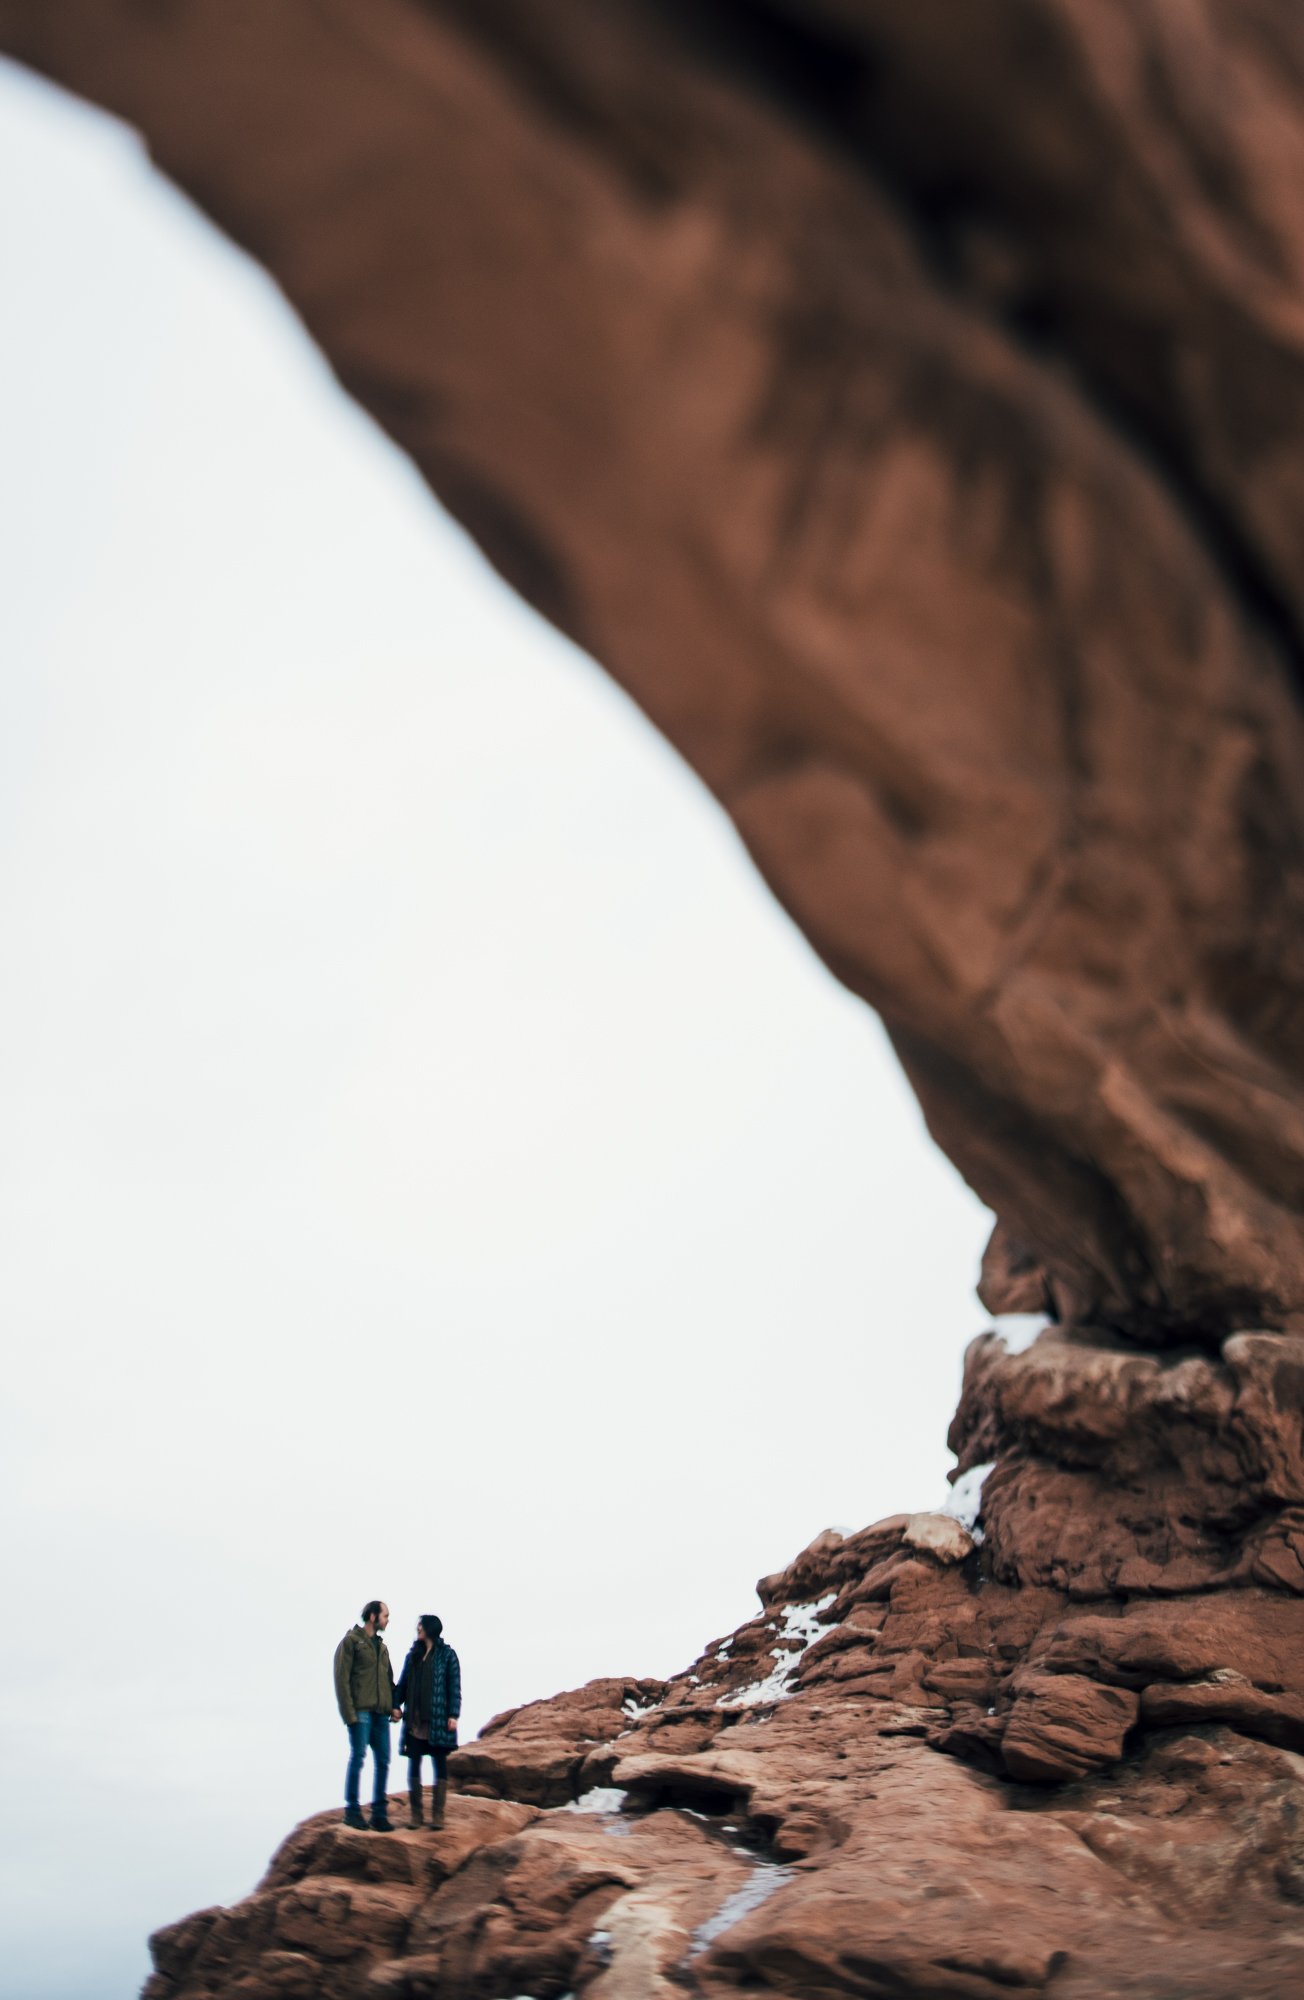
(1061, 1753)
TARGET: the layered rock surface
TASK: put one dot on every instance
(1063, 1753)
(906, 405)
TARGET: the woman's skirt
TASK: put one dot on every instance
(416, 1748)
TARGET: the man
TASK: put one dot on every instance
(431, 1693)
(364, 1688)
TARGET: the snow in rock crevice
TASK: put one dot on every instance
(802, 1624)
(760, 1885)
(602, 1799)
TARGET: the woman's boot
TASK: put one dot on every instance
(437, 1803)
(414, 1798)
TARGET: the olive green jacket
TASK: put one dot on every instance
(364, 1677)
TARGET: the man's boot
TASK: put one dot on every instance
(414, 1805)
(437, 1803)
(353, 1818)
(380, 1819)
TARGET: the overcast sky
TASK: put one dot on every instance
(430, 1165)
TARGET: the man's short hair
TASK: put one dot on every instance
(430, 1625)
(373, 1608)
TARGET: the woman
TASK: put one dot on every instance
(429, 1692)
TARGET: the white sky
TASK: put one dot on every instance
(431, 1165)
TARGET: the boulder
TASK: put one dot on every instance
(537, 1754)
(1063, 1726)
(1231, 1698)
(940, 1534)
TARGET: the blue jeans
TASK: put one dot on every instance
(370, 1729)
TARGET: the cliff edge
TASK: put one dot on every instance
(1061, 1753)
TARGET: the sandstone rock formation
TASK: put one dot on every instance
(1064, 1753)
(905, 404)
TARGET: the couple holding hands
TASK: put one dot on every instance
(428, 1695)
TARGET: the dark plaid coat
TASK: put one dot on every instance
(445, 1693)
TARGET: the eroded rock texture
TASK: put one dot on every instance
(1038, 1758)
(904, 403)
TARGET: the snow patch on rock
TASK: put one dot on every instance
(803, 1624)
(602, 1799)
(965, 1499)
(760, 1885)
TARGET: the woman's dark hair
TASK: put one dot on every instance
(430, 1625)
(373, 1608)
